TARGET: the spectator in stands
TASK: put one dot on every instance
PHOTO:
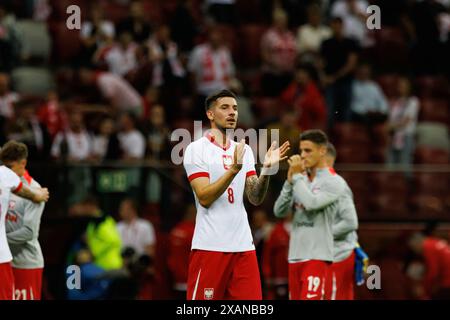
(92, 286)
(74, 144)
(102, 237)
(105, 144)
(27, 128)
(212, 68)
(120, 57)
(132, 141)
(7, 98)
(163, 53)
(168, 73)
(52, 115)
(304, 97)
(340, 57)
(136, 24)
(10, 41)
(118, 92)
(136, 233)
(311, 35)
(222, 11)
(180, 250)
(278, 52)
(436, 257)
(183, 25)
(353, 14)
(158, 134)
(403, 116)
(95, 34)
(274, 260)
(368, 104)
(287, 129)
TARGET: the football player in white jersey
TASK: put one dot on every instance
(223, 262)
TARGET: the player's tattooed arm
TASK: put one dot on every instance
(256, 188)
(33, 194)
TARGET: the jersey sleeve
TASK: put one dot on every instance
(11, 180)
(249, 162)
(194, 163)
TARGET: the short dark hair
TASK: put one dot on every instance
(315, 135)
(213, 97)
(331, 150)
(13, 151)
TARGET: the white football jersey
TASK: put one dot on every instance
(224, 225)
(9, 181)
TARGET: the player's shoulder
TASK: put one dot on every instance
(35, 184)
(197, 145)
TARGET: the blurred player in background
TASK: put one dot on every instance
(341, 276)
(10, 182)
(223, 262)
(22, 229)
(314, 189)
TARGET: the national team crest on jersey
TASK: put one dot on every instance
(12, 205)
(227, 161)
(209, 293)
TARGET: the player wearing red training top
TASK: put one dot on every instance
(223, 261)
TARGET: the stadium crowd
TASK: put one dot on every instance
(108, 96)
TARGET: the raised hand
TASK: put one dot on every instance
(276, 155)
(295, 165)
(238, 158)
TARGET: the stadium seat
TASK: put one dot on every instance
(387, 205)
(391, 50)
(389, 83)
(230, 38)
(345, 133)
(434, 110)
(428, 207)
(389, 182)
(250, 43)
(32, 81)
(431, 183)
(432, 87)
(66, 43)
(353, 153)
(36, 39)
(432, 135)
(426, 155)
(116, 12)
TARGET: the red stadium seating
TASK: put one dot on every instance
(349, 133)
(353, 153)
(434, 110)
(428, 207)
(389, 182)
(391, 50)
(435, 184)
(389, 84)
(66, 43)
(388, 205)
(432, 87)
(266, 108)
(250, 43)
(431, 156)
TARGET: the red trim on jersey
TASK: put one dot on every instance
(18, 187)
(198, 175)
(27, 177)
(212, 139)
(332, 171)
(251, 173)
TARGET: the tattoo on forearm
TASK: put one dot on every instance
(256, 188)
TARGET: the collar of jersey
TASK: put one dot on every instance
(212, 139)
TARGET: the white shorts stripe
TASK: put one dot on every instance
(196, 285)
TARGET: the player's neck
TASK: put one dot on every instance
(219, 136)
(313, 171)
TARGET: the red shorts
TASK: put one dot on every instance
(340, 279)
(6, 281)
(306, 279)
(223, 276)
(28, 283)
